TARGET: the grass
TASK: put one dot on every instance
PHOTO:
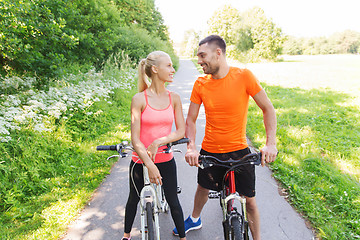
(47, 177)
(319, 160)
(319, 143)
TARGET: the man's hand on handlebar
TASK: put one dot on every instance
(269, 154)
(192, 157)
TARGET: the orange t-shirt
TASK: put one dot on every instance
(226, 104)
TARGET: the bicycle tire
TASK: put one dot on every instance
(150, 221)
(246, 230)
(236, 229)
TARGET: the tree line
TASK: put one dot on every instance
(253, 37)
(346, 42)
(48, 38)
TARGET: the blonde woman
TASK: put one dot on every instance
(153, 111)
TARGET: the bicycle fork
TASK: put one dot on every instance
(229, 211)
(148, 194)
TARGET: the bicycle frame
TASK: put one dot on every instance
(227, 198)
(159, 204)
(234, 222)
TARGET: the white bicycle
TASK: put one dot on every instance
(152, 198)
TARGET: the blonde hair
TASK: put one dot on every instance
(145, 68)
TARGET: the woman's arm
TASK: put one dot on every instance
(137, 104)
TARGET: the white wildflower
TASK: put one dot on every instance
(56, 102)
(55, 113)
(41, 128)
(5, 139)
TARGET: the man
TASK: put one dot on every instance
(225, 92)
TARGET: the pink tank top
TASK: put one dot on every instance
(155, 123)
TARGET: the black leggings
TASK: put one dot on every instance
(169, 179)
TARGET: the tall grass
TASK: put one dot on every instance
(319, 160)
(48, 168)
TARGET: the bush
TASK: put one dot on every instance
(47, 158)
(43, 38)
(137, 43)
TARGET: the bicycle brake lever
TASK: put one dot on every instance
(112, 157)
(204, 165)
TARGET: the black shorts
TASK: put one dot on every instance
(211, 178)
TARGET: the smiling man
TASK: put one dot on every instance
(225, 92)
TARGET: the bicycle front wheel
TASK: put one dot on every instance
(236, 229)
(150, 221)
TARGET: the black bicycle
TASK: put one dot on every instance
(235, 223)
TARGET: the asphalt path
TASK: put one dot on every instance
(103, 216)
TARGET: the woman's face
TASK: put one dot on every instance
(165, 70)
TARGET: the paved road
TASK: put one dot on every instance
(103, 217)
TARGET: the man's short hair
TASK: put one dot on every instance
(215, 39)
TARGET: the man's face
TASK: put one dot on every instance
(208, 58)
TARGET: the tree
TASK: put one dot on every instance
(257, 36)
(47, 38)
(346, 42)
(292, 46)
(32, 38)
(145, 14)
(190, 43)
(249, 35)
(223, 22)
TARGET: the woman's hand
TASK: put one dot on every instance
(152, 150)
(154, 174)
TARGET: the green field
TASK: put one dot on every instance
(317, 101)
(339, 73)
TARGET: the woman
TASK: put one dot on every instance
(153, 111)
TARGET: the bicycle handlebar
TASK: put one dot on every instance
(180, 141)
(125, 145)
(108, 147)
(209, 161)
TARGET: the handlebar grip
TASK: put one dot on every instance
(258, 159)
(180, 141)
(106, 147)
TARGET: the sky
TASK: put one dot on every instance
(305, 18)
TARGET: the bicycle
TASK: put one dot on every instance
(152, 198)
(235, 224)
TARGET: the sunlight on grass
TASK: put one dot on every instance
(119, 134)
(260, 138)
(57, 216)
(357, 202)
(318, 138)
(345, 166)
(300, 134)
(291, 159)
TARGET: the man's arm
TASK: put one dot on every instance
(269, 152)
(192, 154)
